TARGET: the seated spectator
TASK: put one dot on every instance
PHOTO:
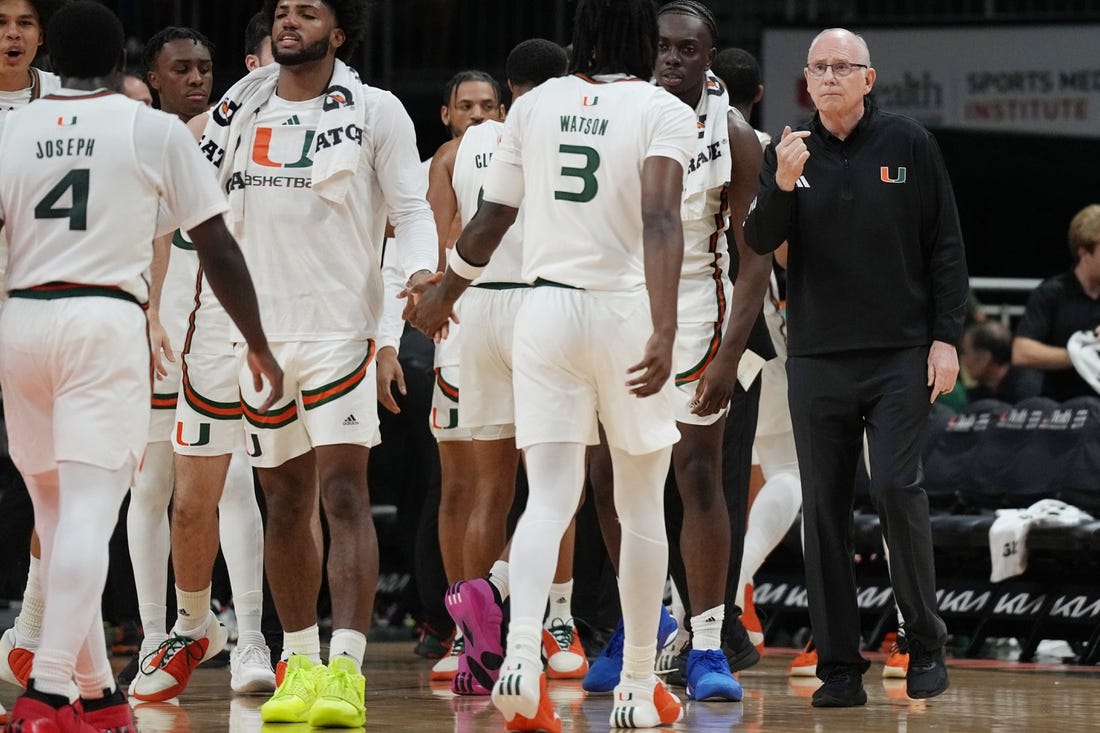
(986, 354)
(1061, 306)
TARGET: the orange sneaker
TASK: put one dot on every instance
(635, 709)
(805, 664)
(514, 695)
(751, 621)
(280, 672)
(565, 657)
(897, 664)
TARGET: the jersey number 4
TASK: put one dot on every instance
(587, 174)
(76, 212)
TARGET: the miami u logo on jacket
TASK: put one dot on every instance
(265, 147)
(884, 174)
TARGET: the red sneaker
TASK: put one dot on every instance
(34, 716)
(110, 715)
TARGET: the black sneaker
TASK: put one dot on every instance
(927, 675)
(432, 644)
(843, 688)
(740, 652)
(129, 672)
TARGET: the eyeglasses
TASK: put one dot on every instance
(840, 69)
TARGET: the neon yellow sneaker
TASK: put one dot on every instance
(293, 698)
(340, 691)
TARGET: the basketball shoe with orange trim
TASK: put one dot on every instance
(524, 702)
(565, 657)
(635, 708)
(165, 673)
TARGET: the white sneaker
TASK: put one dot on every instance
(16, 656)
(250, 669)
(447, 666)
(166, 674)
(3, 715)
(667, 657)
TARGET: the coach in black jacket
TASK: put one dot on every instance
(877, 288)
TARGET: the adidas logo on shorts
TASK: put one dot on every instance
(350, 421)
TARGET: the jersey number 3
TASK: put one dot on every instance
(587, 174)
(76, 212)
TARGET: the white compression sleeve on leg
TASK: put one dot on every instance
(148, 535)
(241, 531)
(643, 556)
(555, 474)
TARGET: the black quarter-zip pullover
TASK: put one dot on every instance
(876, 255)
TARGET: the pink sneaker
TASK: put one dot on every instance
(477, 612)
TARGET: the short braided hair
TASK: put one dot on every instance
(696, 8)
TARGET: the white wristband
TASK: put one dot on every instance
(462, 268)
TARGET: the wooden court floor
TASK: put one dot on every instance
(984, 696)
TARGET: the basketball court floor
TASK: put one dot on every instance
(985, 695)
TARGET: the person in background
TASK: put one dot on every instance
(1061, 306)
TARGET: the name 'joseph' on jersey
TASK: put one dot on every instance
(581, 143)
(98, 165)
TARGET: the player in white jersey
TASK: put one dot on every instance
(714, 372)
(74, 362)
(147, 525)
(486, 409)
(213, 496)
(598, 160)
(22, 25)
(719, 353)
(470, 97)
(22, 31)
(313, 160)
(776, 505)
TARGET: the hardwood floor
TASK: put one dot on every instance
(984, 696)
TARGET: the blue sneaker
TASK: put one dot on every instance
(709, 678)
(603, 674)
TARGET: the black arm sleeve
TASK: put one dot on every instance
(768, 224)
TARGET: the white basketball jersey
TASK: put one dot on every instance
(189, 311)
(42, 82)
(81, 175)
(705, 286)
(177, 295)
(316, 264)
(581, 144)
(475, 151)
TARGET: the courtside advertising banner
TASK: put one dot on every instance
(1041, 80)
